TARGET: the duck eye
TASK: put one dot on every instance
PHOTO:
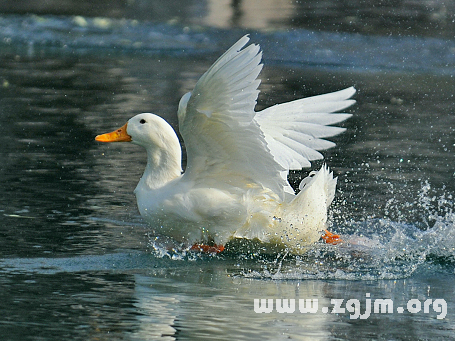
(142, 121)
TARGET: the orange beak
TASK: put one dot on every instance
(118, 135)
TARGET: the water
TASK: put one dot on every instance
(76, 260)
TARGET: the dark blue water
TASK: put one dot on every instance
(77, 261)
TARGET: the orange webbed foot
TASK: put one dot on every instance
(331, 238)
(207, 248)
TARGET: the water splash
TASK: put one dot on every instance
(378, 248)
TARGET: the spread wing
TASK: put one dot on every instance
(295, 131)
(224, 142)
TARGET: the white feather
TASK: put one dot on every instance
(296, 128)
(216, 123)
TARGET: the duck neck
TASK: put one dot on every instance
(163, 165)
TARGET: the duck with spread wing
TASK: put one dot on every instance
(235, 183)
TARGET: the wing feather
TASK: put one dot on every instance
(298, 127)
(223, 141)
(228, 143)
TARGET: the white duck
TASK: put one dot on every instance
(235, 183)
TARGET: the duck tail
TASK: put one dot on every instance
(306, 215)
(323, 181)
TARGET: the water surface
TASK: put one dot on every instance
(77, 261)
